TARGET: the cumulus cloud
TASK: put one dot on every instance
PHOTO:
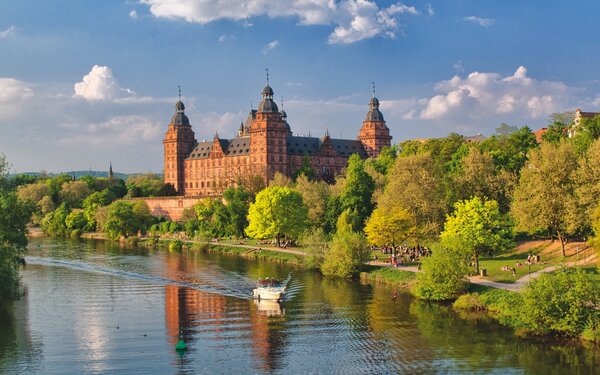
(133, 15)
(8, 32)
(99, 85)
(353, 20)
(124, 130)
(482, 95)
(484, 22)
(207, 123)
(271, 45)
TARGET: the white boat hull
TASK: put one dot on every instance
(272, 294)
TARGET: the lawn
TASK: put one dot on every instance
(494, 266)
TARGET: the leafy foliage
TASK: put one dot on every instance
(348, 251)
(358, 193)
(277, 211)
(390, 226)
(561, 302)
(545, 196)
(480, 227)
(443, 275)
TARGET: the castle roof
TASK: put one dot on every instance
(296, 145)
(179, 118)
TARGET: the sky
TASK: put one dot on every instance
(84, 83)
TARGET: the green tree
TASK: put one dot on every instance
(314, 196)
(480, 227)
(556, 132)
(347, 251)
(144, 185)
(91, 204)
(562, 302)
(587, 179)
(120, 220)
(54, 223)
(544, 199)
(414, 186)
(14, 216)
(73, 193)
(237, 204)
(76, 222)
(443, 275)
(390, 226)
(510, 149)
(277, 211)
(358, 192)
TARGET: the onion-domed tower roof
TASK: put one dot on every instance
(267, 105)
(179, 118)
(374, 114)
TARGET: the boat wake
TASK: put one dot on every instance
(234, 285)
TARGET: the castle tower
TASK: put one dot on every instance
(374, 133)
(179, 141)
(268, 138)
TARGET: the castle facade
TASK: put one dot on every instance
(264, 145)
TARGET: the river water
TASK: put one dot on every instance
(92, 307)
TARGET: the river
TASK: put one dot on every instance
(92, 307)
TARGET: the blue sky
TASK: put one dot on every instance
(83, 83)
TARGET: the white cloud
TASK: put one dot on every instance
(225, 38)
(484, 22)
(99, 85)
(124, 130)
(353, 20)
(207, 123)
(133, 15)
(270, 46)
(429, 10)
(485, 95)
(8, 32)
(13, 95)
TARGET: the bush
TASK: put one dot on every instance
(443, 275)
(469, 301)
(176, 245)
(562, 302)
(347, 254)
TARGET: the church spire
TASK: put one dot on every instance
(110, 171)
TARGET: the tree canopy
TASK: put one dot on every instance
(277, 211)
(480, 227)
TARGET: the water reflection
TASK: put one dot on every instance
(96, 307)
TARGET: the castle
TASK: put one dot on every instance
(264, 145)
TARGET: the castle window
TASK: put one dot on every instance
(202, 184)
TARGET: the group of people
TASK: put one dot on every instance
(405, 254)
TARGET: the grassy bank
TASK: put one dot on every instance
(388, 276)
(174, 244)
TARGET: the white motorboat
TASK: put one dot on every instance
(268, 289)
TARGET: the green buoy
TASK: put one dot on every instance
(181, 346)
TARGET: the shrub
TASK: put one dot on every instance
(591, 332)
(562, 302)
(469, 301)
(443, 275)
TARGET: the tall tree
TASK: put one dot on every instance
(480, 227)
(276, 212)
(358, 192)
(390, 226)
(414, 186)
(14, 216)
(237, 203)
(545, 200)
(587, 180)
(314, 195)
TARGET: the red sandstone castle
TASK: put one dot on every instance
(264, 145)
